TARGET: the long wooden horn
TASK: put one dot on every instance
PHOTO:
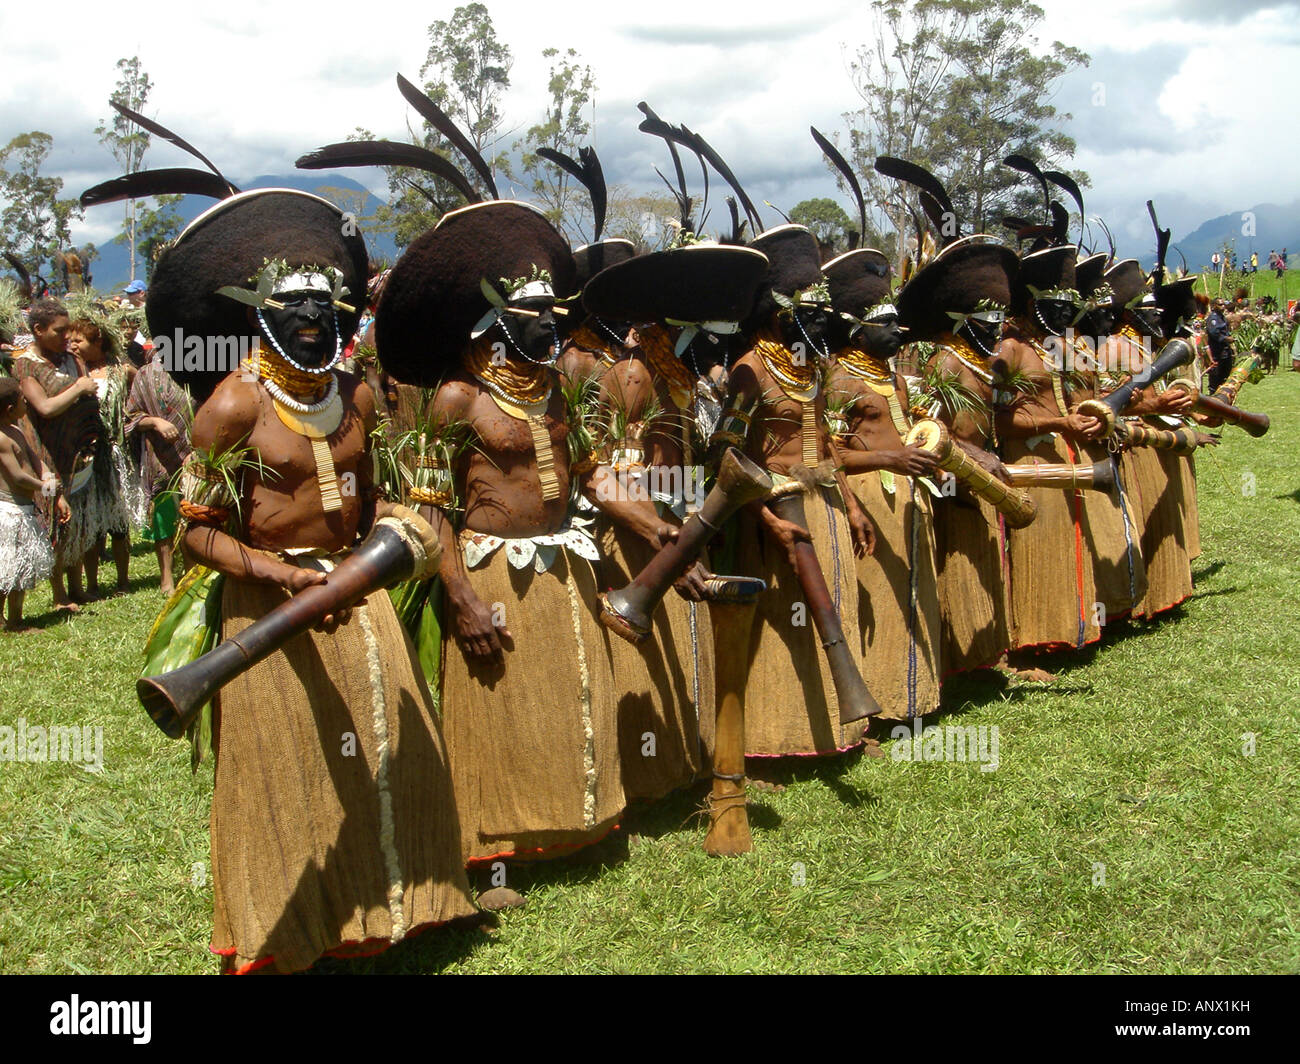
(386, 557)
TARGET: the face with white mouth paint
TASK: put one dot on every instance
(305, 327)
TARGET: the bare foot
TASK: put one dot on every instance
(500, 898)
(67, 607)
(871, 747)
(91, 594)
(121, 589)
(168, 591)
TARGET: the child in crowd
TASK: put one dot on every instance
(25, 553)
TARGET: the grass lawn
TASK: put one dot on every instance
(1262, 283)
(1124, 831)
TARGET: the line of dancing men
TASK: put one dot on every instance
(538, 421)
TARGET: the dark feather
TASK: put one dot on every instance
(182, 181)
(778, 210)
(159, 130)
(436, 117)
(934, 197)
(841, 164)
(657, 127)
(683, 204)
(737, 226)
(1109, 240)
(702, 148)
(1183, 257)
(387, 153)
(1027, 166)
(1060, 223)
(1066, 182)
(1015, 223)
(21, 270)
(423, 192)
(589, 174)
(1162, 245)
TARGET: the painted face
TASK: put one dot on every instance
(808, 325)
(882, 337)
(305, 328)
(530, 323)
(1147, 319)
(52, 338)
(986, 334)
(1101, 322)
(1055, 314)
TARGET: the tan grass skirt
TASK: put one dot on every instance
(534, 742)
(333, 823)
(1186, 467)
(1158, 497)
(665, 685)
(790, 703)
(972, 583)
(1114, 536)
(1052, 590)
(898, 603)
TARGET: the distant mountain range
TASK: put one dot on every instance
(1274, 227)
(112, 269)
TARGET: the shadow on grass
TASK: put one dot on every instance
(427, 953)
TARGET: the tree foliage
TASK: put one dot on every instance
(156, 228)
(956, 86)
(646, 220)
(465, 72)
(827, 220)
(570, 89)
(126, 141)
(36, 222)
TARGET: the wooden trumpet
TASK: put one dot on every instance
(1254, 424)
(1100, 476)
(1013, 504)
(1227, 391)
(628, 612)
(1178, 352)
(388, 555)
(1180, 441)
(850, 690)
(731, 613)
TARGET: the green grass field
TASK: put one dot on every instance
(1263, 283)
(1124, 831)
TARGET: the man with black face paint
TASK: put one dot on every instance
(530, 699)
(1152, 478)
(1114, 528)
(1053, 592)
(776, 388)
(898, 611)
(958, 301)
(332, 811)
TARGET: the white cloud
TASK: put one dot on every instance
(256, 84)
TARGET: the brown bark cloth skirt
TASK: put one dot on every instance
(665, 685)
(1118, 570)
(898, 603)
(333, 823)
(790, 702)
(534, 742)
(1157, 498)
(972, 578)
(1053, 596)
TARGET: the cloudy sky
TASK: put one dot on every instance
(1188, 102)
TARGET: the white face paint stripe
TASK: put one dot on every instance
(303, 282)
(532, 290)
